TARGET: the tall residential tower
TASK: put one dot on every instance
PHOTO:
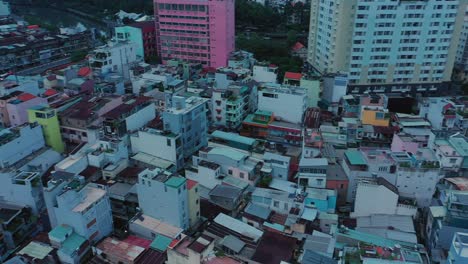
(198, 31)
(386, 42)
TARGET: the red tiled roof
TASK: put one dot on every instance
(85, 71)
(293, 75)
(52, 77)
(191, 184)
(26, 97)
(126, 107)
(50, 92)
(89, 171)
(221, 260)
(297, 46)
(150, 256)
(448, 106)
(282, 246)
(138, 241)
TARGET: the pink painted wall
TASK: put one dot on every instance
(214, 28)
(18, 113)
(399, 146)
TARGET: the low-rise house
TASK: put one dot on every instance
(18, 223)
(379, 197)
(444, 221)
(255, 215)
(71, 247)
(227, 197)
(124, 203)
(115, 251)
(18, 109)
(148, 227)
(458, 249)
(312, 172)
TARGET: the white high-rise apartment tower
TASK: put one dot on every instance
(386, 42)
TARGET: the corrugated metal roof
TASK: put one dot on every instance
(233, 137)
(238, 226)
(309, 214)
(36, 250)
(258, 211)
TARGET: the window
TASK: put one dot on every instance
(241, 175)
(276, 204)
(168, 142)
(230, 172)
(453, 161)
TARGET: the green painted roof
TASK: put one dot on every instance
(460, 145)
(274, 226)
(72, 244)
(160, 243)
(372, 239)
(231, 153)
(60, 232)
(233, 137)
(355, 157)
(175, 182)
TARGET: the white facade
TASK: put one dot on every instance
(419, 184)
(23, 141)
(164, 197)
(386, 41)
(378, 199)
(141, 118)
(313, 172)
(158, 144)
(87, 210)
(334, 88)
(188, 118)
(267, 74)
(22, 185)
(286, 103)
(115, 57)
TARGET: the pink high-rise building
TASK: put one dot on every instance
(200, 31)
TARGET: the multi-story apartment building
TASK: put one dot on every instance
(115, 57)
(85, 208)
(18, 109)
(129, 116)
(164, 196)
(160, 145)
(195, 31)
(17, 224)
(23, 160)
(187, 117)
(386, 43)
(26, 49)
(230, 106)
(462, 52)
(458, 252)
(47, 118)
(76, 120)
(414, 175)
(287, 103)
(142, 33)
